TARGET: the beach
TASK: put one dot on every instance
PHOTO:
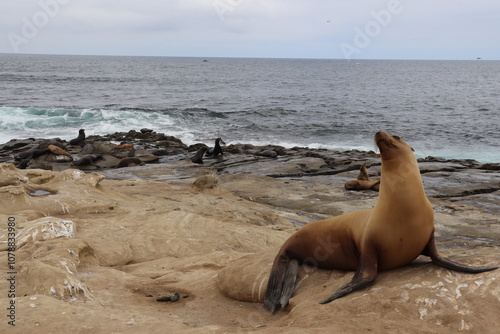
(96, 246)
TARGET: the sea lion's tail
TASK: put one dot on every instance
(281, 282)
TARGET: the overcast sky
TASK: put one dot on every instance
(360, 29)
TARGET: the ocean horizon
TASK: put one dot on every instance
(448, 109)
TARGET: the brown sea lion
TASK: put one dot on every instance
(80, 140)
(363, 173)
(124, 151)
(57, 150)
(395, 232)
(119, 147)
(363, 181)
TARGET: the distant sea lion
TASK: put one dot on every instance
(267, 154)
(80, 140)
(395, 232)
(87, 160)
(30, 154)
(363, 173)
(198, 157)
(23, 164)
(124, 151)
(363, 182)
(126, 162)
(57, 150)
(217, 149)
(119, 147)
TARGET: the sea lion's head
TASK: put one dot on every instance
(392, 146)
(220, 141)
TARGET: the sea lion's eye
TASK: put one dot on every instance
(396, 137)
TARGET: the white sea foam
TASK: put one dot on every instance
(309, 103)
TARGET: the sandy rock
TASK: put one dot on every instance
(206, 182)
(246, 278)
(53, 193)
(52, 269)
(45, 229)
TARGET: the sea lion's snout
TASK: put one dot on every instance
(382, 138)
(381, 135)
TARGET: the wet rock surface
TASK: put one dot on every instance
(464, 181)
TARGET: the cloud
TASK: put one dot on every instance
(265, 28)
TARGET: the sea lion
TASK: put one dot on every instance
(395, 232)
(363, 173)
(23, 164)
(127, 162)
(124, 151)
(30, 154)
(121, 146)
(87, 160)
(198, 157)
(217, 149)
(57, 150)
(80, 140)
(363, 181)
(267, 154)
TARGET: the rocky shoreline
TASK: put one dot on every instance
(169, 245)
(462, 181)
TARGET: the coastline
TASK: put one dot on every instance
(172, 226)
(464, 181)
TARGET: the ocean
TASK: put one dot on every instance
(448, 109)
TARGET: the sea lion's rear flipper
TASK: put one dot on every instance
(281, 283)
(365, 275)
(289, 283)
(431, 251)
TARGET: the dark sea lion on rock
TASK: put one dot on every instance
(87, 160)
(127, 162)
(23, 164)
(198, 157)
(267, 154)
(217, 149)
(363, 182)
(80, 140)
(394, 233)
(30, 154)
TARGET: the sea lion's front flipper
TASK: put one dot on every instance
(431, 251)
(365, 275)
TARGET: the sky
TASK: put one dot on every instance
(331, 29)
